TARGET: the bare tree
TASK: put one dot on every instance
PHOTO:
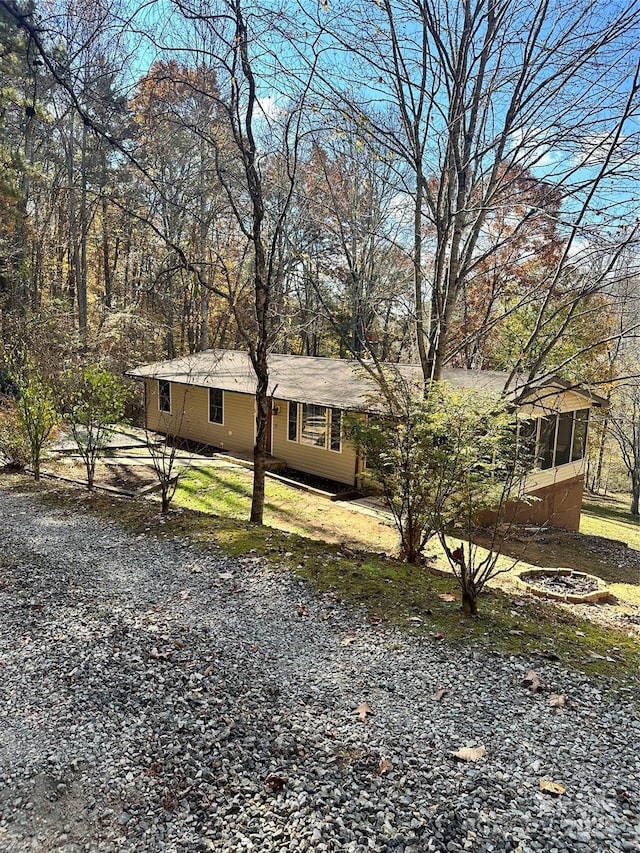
(624, 423)
(464, 98)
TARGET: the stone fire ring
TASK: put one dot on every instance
(565, 585)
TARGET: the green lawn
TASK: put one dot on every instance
(609, 516)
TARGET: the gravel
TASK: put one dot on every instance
(155, 696)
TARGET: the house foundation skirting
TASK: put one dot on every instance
(556, 505)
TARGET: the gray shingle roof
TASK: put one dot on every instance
(332, 382)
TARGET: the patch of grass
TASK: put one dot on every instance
(226, 492)
(608, 516)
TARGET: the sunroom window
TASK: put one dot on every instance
(562, 438)
(579, 444)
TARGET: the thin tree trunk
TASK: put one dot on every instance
(81, 269)
(635, 491)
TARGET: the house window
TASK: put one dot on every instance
(317, 426)
(335, 437)
(563, 438)
(293, 422)
(164, 395)
(313, 426)
(579, 444)
(216, 412)
(546, 441)
(527, 434)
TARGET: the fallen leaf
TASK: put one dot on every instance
(549, 787)
(347, 641)
(374, 619)
(437, 636)
(384, 766)
(275, 782)
(302, 609)
(209, 670)
(440, 692)
(255, 647)
(533, 681)
(557, 700)
(447, 596)
(548, 655)
(363, 710)
(469, 753)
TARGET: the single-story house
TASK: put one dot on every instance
(209, 398)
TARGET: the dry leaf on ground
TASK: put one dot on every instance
(275, 782)
(384, 766)
(469, 753)
(440, 692)
(437, 636)
(533, 681)
(557, 700)
(363, 710)
(347, 641)
(549, 787)
(447, 596)
(595, 655)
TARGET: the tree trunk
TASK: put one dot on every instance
(106, 264)
(597, 480)
(469, 603)
(635, 492)
(259, 459)
(417, 275)
(81, 269)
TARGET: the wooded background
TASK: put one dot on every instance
(415, 180)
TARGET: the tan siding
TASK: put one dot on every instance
(189, 417)
(550, 401)
(541, 479)
(340, 467)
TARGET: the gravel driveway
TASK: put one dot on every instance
(158, 697)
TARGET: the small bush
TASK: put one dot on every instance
(14, 444)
